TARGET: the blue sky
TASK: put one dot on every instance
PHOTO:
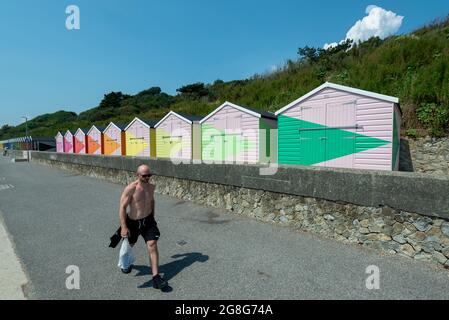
(132, 45)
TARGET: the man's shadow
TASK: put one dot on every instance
(171, 269)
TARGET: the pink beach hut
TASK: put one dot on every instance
(59, 142)
(68, 142)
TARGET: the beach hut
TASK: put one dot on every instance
(238, 134)
(68, 142)
(141, 138)
(80, 141)
(21, 143)
(114, 140)
(59, 138)
(95, 140)
(59, 142)
(178, 136)
(340, 126)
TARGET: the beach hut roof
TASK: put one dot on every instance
(83, 130)
(252, 111)
(339, 87)
(148, 122)
(186, 117)
(120, 126)
(99, 128)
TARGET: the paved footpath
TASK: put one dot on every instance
(58, 219)
(13, 280)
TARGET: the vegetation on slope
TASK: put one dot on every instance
(412, 67)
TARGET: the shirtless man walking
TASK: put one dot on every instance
(139, 196)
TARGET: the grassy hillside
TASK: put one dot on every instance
(413, 67)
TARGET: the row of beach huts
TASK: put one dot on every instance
(332, 126)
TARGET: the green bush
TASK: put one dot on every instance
(412, 133)
(435, 117)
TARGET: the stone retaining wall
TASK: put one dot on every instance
(427, 155)
(390, 230)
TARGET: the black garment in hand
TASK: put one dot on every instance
(116, 237)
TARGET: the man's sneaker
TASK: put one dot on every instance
(127, 270)
(159, 282)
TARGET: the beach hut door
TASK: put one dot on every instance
(234, 145)
(312, 135)
(176, 139)
(340, 134)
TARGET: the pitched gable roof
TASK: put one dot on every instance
(148, 122)
(96, 127)
(342, 88)
(120, 126)
(251, 111)
(183, 116)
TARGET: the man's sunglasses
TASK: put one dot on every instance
(146, 175)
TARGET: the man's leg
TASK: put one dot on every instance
(158, 281)
(154, 256)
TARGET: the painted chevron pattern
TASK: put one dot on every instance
(319, 143)
(135, 146)
(110, 145)
(93, 146)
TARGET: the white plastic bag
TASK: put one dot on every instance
(126, 257)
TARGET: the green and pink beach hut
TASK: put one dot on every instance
(233, 133)
(340, 126)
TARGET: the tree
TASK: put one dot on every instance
(6, 127)
(113, 99)
(152, 91)
(195, 90)
(309, 54)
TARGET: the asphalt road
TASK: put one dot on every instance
(57, 218)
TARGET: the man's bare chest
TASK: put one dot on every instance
(143, 195)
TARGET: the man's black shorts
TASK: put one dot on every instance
(146, 227)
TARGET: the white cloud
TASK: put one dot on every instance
(330, 45)
(378, 23)
(368, 8)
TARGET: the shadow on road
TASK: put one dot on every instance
(171, 269)
(211, 218)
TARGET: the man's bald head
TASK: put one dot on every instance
(143, 169)
(143, 173)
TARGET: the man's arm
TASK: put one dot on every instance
(152, 208)
(125, 200)
(152, 205)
